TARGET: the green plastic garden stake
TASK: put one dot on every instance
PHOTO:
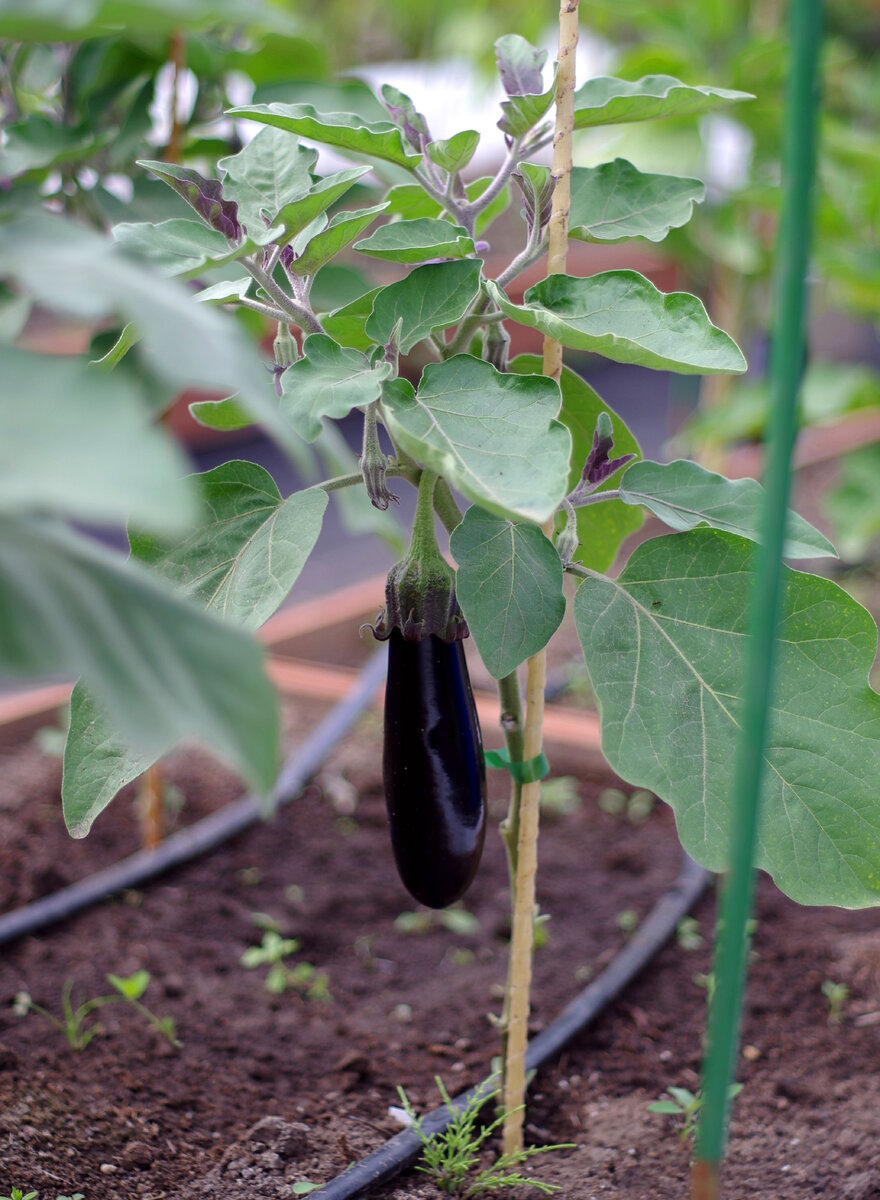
(805, 23)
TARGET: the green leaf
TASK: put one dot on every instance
(185, 248)
(203, 195)
(344, 227)
(664, 649)
(519, 64)
(60, 20)
(667, 1108)
(431, 298)
(228, 291)
(684, 495)
(601, 527)
(609, 101)
(853, 503)
(346, 325)
(162, 668)
(128, 338)
(522, 113)
(39, 144)
(74, 270)
(453, 154)
(615, 201)
(224, 415)
(621, 315)
(509, 585)
(492, 436)
(294, 216)
(414, 241)
(328, 381)
(346, 131)
(76, 442)
(132, 986)
(249, 548)
(268, 173)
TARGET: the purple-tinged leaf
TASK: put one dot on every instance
(204, 195)
(519, 65)
(402, 111)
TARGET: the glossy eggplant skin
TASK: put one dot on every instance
(435, 776)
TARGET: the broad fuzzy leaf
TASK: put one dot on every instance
(268, 172)
(164, 669)
(184, 248)
(609, 101)
(414, 241)
(664, 649)
(328, 381)
(522, 113)
(509, 585)
(621, 315)
(684, 495)
(346, 131)
(295, 215)
(205, 196)
(346, 324)
(343, 228)
(492, 436)
(520, 65)
(432, 297)
(410, 200)
(247, 551)
(601, 527)
(615, 201)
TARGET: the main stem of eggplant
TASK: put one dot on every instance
(525, 804)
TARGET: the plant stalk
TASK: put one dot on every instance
(522, 933)
(805, 18)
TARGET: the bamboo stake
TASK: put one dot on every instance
(522, 934)
(151, 805)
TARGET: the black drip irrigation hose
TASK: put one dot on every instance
(404, 1148)
(210, 832)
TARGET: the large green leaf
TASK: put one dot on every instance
(621, 315)
(664, 649)
(492, 436)
(61, 20)
(40, 143)
(346, 131)
(509, 584)
(343, 228)
(615, 201)
(601, 527)
(430, 298)
(183, 247)
(75, 441)
(268, 172)
(161, 668)
(609, 101)
(328, 381)
(414, 241)
(74, 270)
(247, 551)
(685, 495)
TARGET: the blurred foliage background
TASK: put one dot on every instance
(86, 88)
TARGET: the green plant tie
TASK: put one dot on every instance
(532, 771)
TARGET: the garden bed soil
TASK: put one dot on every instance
(270, 1090)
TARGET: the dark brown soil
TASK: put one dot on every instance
(271, 1090)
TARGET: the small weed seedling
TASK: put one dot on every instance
(688, 934)
(627, 921)
(837, 995)
(560, 796)
(452, 1158)
(686, 1105)
(303, 1187)
(456, 919)
(635, 808)
(18, 1194)
(540, 932)
(304, 977)
(74, 1025)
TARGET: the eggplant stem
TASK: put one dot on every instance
(522, 932)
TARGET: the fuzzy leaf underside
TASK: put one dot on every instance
(606, 100)
(664, 646)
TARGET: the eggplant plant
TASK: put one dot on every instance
(550, 478)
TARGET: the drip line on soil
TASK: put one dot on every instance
(205, 835)
(404, 1148)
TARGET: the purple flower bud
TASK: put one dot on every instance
(599, 466)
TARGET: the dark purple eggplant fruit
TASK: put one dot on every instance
(435, 777)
